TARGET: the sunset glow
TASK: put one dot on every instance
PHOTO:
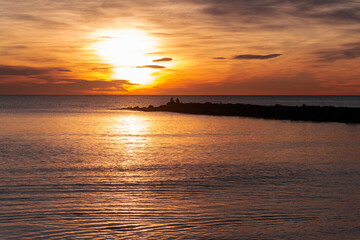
(128, 51)
(208, 47)
(186, 119)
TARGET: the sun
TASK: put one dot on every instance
(128, 51)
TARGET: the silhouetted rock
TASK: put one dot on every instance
(300, 113)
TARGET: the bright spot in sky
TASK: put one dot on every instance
(125, 50)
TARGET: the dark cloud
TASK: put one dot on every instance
(22, 70)
(27, 71)
(267, 11)
(166, 59)
(9, 50)
(42, 22)
(102, 69)
(250, 56)
(337, 15)
(151, 66)
(347, 51)
(240, 7)
(64, 86)
(16, 47)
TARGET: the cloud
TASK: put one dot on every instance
(152, 66)
(10, 50)
(7, 70)
(348, 51)
(268, 7)
(22, 70)
(102, 69)
(286, 14)
(42, 22)
(17, 47)
(166, 59)
(250, 56)
(64, 86)
(240, 7)
(300, 83)
(335, 15)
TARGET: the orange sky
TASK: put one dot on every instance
(265, 47)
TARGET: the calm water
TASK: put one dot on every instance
(75, 167)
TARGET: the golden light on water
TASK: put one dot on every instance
(128, 51)
(132, 132)
(133, 125)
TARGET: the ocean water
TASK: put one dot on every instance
(77, 167)
(102, 103)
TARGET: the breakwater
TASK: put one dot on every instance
(296, 113)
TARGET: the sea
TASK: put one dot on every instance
(81, 167)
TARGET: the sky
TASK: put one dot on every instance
(207, 47)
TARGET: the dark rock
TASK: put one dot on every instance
(297, 113)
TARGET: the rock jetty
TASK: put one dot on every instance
(281, 112)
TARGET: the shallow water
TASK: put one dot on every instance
(135, 175)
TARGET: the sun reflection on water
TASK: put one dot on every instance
(132, 132)
(133, 125)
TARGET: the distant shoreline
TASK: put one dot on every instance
(277, 112)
